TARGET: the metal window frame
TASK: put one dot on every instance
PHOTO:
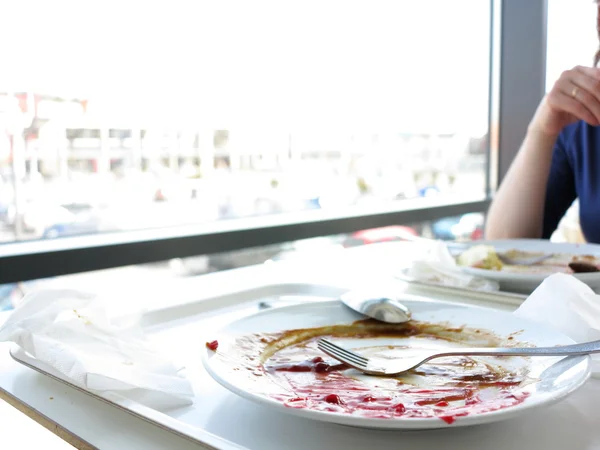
(516, 86)
(521, 78)
(46, 258)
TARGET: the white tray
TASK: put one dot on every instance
(218, 418)
(513, 298)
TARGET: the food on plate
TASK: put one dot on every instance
(481, 257)
(583, 267)
(584, 264)
(486, 257)
(289, 368)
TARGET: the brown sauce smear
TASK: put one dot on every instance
(445, 388)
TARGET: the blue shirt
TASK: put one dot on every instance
(575, 172)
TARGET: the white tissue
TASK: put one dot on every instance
(436, 264)
(567, 305)
(75, 333)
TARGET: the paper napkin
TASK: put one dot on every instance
(568, 305)
(97, 348)
(437, 265)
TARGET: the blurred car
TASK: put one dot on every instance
(7, 212)
(243, 258)
(37, 216)
(382, 234)
(429, 191)
(443, 228)
(466, 227)
(469, 226)
(11, 294)
(193, 265)
(73, 219)
(8, 293)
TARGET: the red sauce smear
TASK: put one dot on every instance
(340, 393)
(446, 390)
(213, 345)
(317, 364)
(320, 385)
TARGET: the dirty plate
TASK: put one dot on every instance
(441, 395)
(526, 279)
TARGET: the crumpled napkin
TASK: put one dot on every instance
(567, 305)
(77, 334)
(437, 265)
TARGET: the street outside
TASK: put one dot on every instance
(55, 208)
(59, 181)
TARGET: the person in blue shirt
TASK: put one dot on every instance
(559, 161)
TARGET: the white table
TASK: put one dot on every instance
(25, 432)
(89, 423)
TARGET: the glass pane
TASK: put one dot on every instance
(461, 228)
(572, 36)
(117, 117)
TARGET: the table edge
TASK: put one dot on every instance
(52, 426)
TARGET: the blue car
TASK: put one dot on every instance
(6, 295)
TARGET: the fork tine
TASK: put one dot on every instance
(330, 344)
(341, 353)
(343, 358)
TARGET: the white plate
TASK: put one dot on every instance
(510, 298)
(524, 282)
(554, 378)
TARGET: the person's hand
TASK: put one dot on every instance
(575, 96)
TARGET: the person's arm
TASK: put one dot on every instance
(544, 187)
(517, 210)
(518, 207)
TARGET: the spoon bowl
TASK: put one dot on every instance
(385, 308)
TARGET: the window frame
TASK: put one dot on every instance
(517, 84)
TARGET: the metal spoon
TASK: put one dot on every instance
(383, 308)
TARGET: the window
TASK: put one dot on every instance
(572, 36)
(464, 228)
(195, 128)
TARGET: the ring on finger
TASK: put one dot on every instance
(574, 92)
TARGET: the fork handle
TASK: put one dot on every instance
(563, 350)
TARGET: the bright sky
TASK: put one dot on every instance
(376, 64)
(572, 36)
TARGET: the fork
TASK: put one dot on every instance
(525, 261)
(414, 357)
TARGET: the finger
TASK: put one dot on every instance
(592, 72)
(585, 81)
(581, 95)
(567, 103)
